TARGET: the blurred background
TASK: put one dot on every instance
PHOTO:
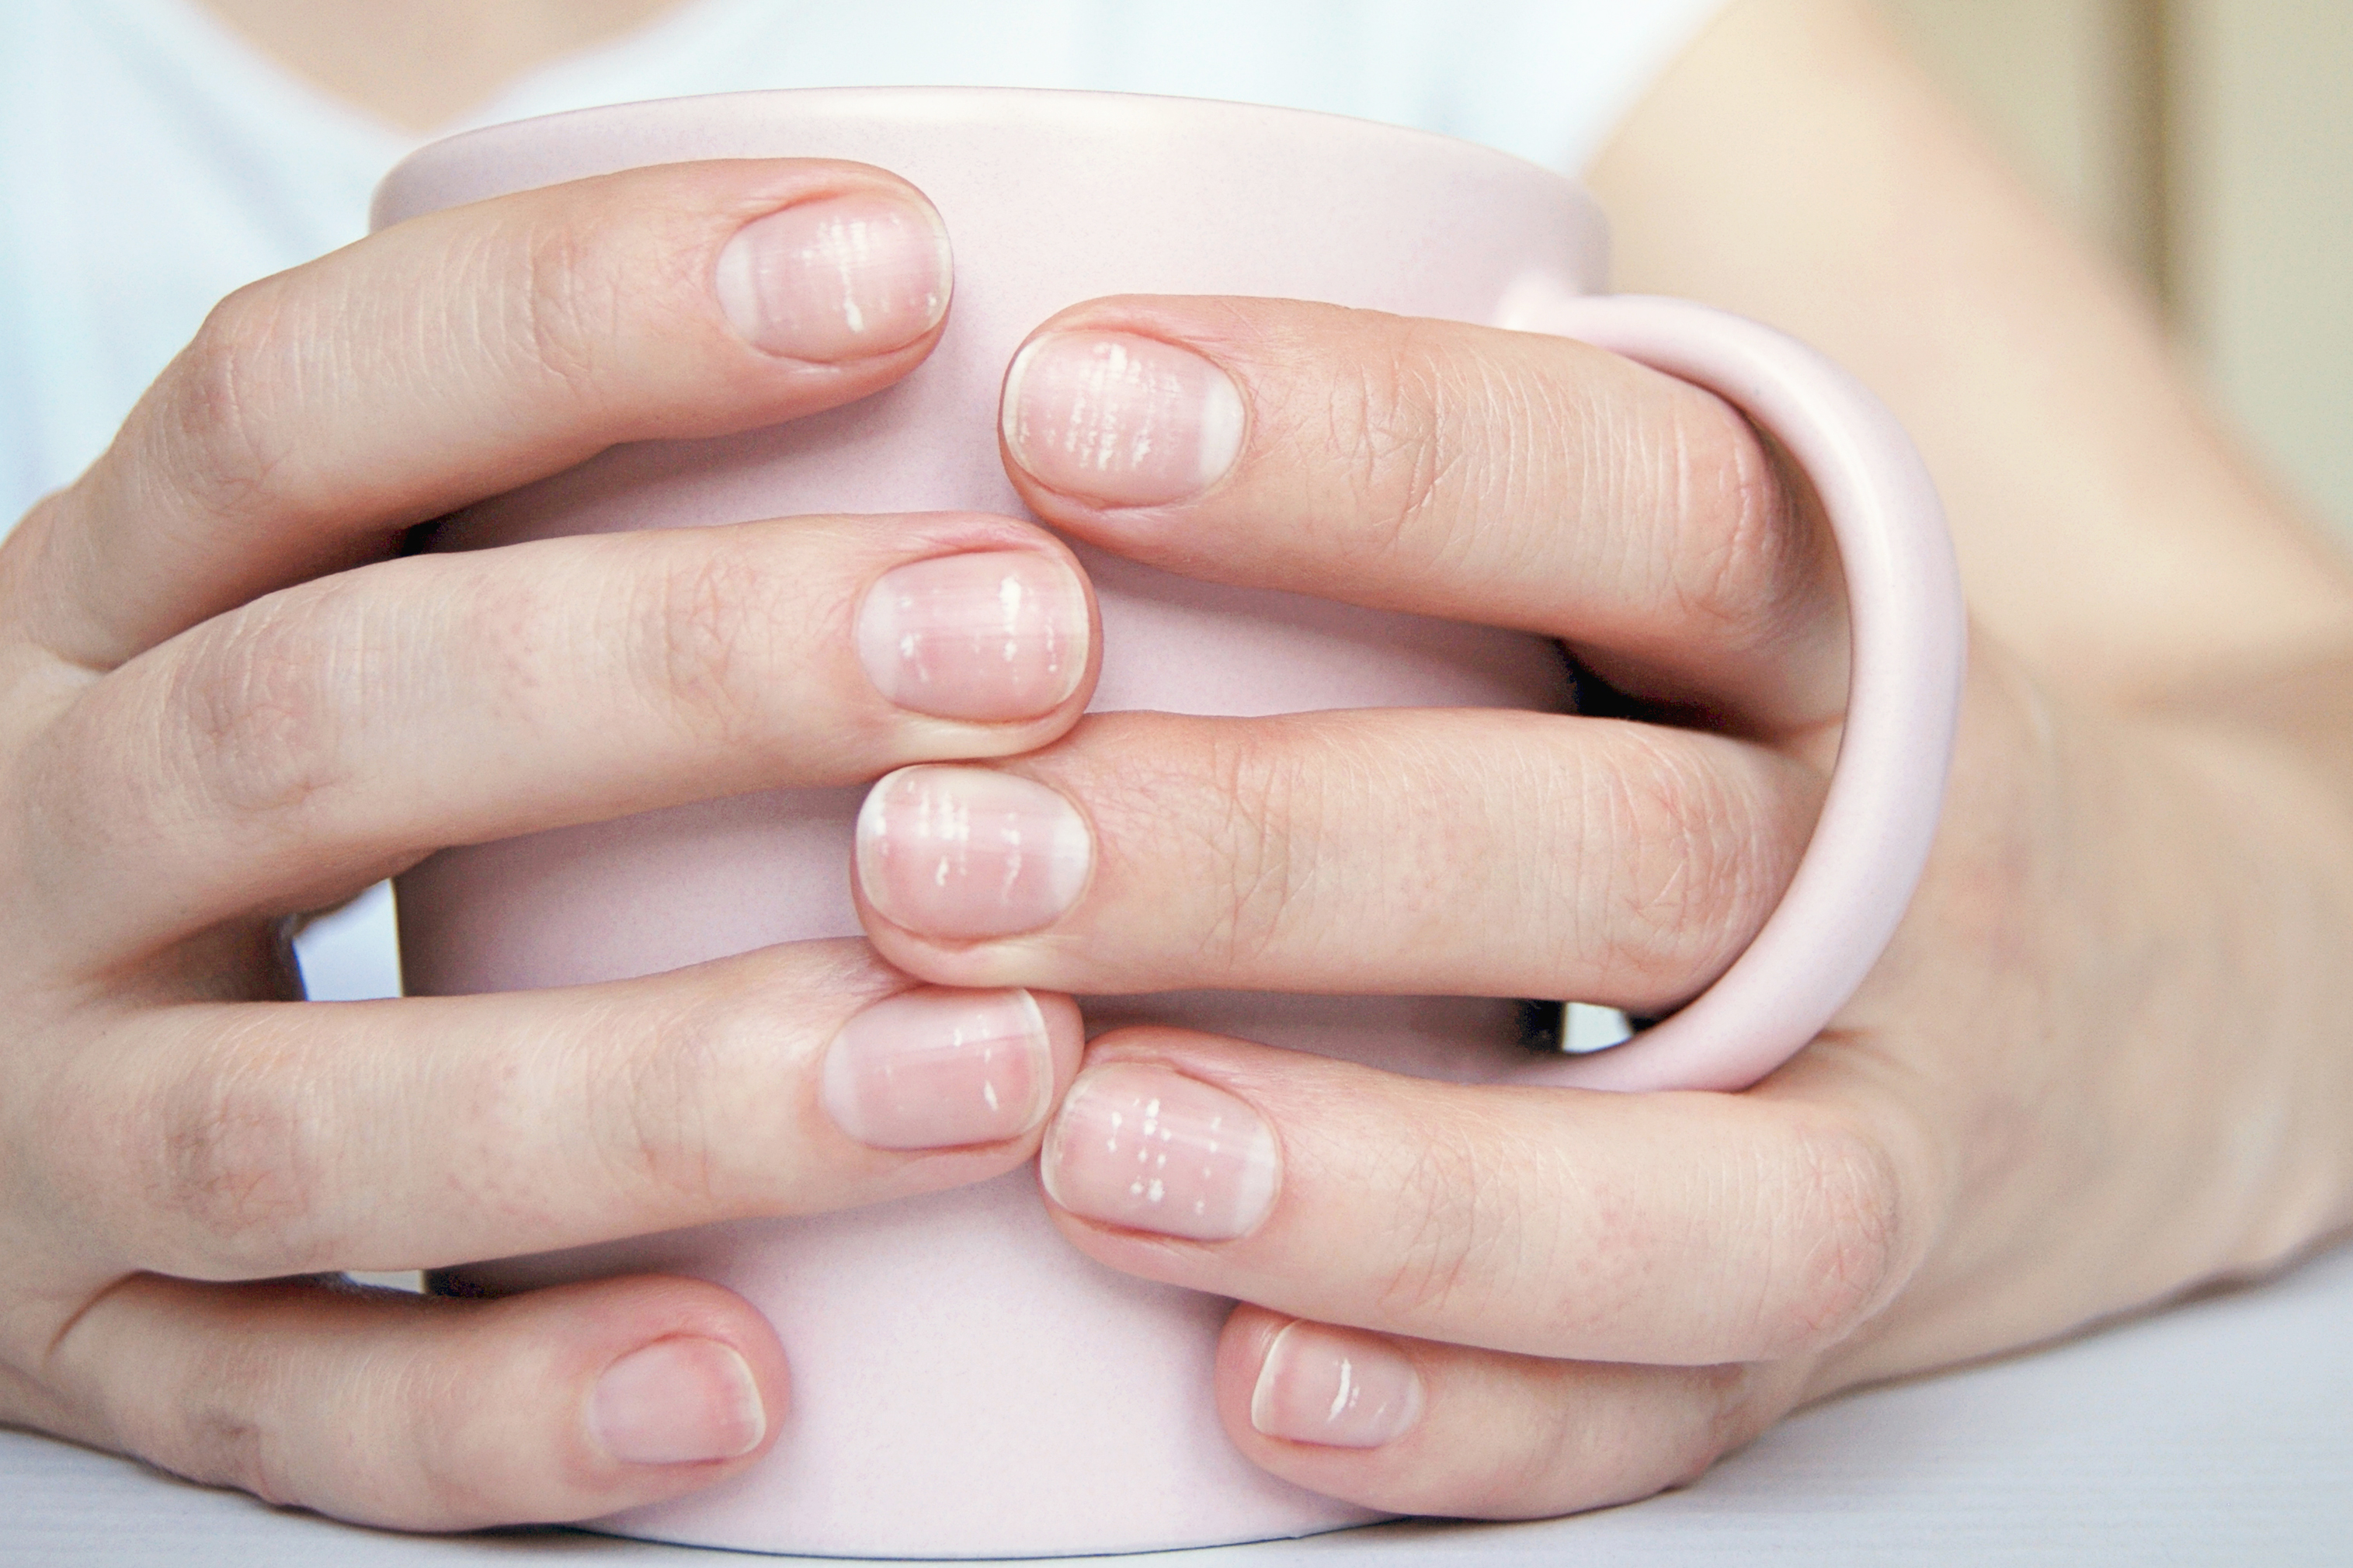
(2208, 145)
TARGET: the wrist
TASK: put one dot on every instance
(2260, 863)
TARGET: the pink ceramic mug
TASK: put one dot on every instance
(964, 1383)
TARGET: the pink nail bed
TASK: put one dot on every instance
(991, 635)
(968, 854)
(1154, 1151)
(1335, 1387)
(1118, 419)
(835, 278)
(678, 1401)
(936, 1069)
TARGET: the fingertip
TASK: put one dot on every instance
(678, 1401)
(661, 1385)
(417, 1412)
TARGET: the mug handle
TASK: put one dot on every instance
(1908, 650)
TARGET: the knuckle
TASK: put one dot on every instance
(1839, 1248)
(1386, 422)
(213, 412)
(237, 1158)
(656, 1114)
(257, 708)
(205, 1431)
(221, 1446)
(703, 630)
(217, 1417)
(1260, 814)
(1725, 1398)
(1743, 562)
(1452, 1210)
(1687, 877)
(1225, 816)
(569, 306)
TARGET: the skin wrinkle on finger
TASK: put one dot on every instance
(698, 625)
(1461, 1222)
(1683, 854)
(1835, 1212)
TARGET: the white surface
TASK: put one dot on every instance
(353, 953)
(2218, 1433)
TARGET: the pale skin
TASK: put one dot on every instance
(2103, 1063)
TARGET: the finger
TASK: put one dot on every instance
(331, 734)
(1407, 1426)
(1505, 478)
(1343, 852)
(422, 1413)
(1683, 1229)
(319, 412)
(249, 1141)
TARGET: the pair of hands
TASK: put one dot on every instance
(224, 697)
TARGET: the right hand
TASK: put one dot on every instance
(224, 701)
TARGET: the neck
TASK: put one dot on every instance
(418, 64)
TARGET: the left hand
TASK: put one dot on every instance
(2085, 1076)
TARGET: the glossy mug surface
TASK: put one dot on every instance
(963, 1382)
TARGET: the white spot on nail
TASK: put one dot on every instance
(1345, 1395)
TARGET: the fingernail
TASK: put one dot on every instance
(1120, 420)
(990, 635)
(1331, 1386)
(835, 278)
(678, 1401)
(934, 1069)
(967, 852)
(1154, 1151)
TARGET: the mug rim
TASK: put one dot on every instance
(1081, 110)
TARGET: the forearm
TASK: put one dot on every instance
(1795, 166)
